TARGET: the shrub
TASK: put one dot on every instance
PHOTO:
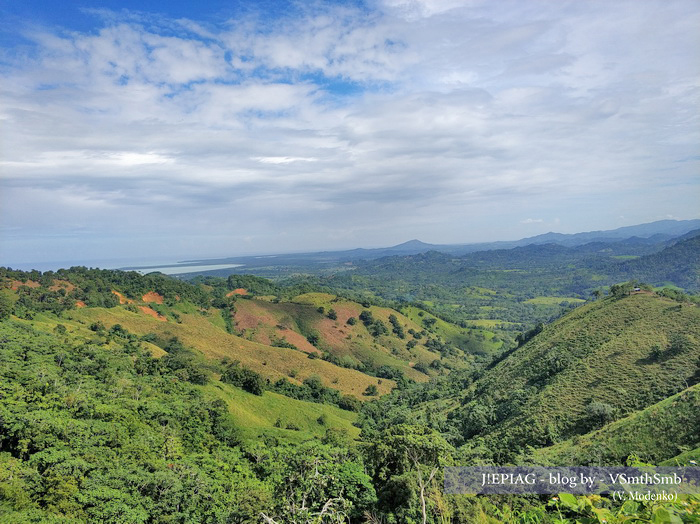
(371, 391)
(244, 378)
(600, 413)
(420, 366)
(349, 403)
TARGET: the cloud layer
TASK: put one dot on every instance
(338, 127)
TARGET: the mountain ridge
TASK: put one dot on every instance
(652, 232)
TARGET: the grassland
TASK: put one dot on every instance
(309, 314)
(660, 433)
(473, 341)
(258, 416)
(198, 332)
(274, 415)
(313, 334)
(621, 354)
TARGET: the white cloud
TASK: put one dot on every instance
(418, 114)
(282, 159)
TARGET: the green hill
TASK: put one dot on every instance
(678, 264)
(128, 398)
(104, 432)
(353, 348)
(665, 432)
(600, 362)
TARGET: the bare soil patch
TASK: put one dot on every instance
(297, 339)
(152, 296)
(16, 284)
(62, 284)
(122, 298)
(151, 313)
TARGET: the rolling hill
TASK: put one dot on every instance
(350, 346)
(600, 363)
(665, 432)
(648, 234)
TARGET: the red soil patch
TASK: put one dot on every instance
(80, 304)
(62, 284)
(16, 284)
(152, 296)
(249, 315)
(148, 311)
(122, 298)
(239, 291)
(335, 332)
(329, 331)
(345, 310)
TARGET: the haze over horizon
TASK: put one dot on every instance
(156, 130)
(175, 264)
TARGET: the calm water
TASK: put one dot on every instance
(177, 269)
(167, 267)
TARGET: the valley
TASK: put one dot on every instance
(280, 396)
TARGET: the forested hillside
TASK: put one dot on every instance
(514, 289)
(128, 398)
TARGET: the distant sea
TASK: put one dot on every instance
(177, 269)
(141, 266)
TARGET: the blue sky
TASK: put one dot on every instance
(164, 130)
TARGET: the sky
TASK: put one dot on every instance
(163, 130)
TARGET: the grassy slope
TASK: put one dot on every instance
(656, 434)
(599, 352)
(197, 331)
(263, 321)
(478, 341)
(550, 301)
(257, 415)
(263, 325)
(687, 458)
(77, 330)
(290, 321)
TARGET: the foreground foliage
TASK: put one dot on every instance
(113, 435)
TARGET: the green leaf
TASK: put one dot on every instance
(568, 500)
(629, 508)
(663, 516)
(603, 514)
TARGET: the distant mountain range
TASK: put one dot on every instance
(634, 240)
(647, 234)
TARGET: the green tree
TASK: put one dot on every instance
(6, 306)
(317, 484)
(244, 378)
(371, 390)
(407, 460)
